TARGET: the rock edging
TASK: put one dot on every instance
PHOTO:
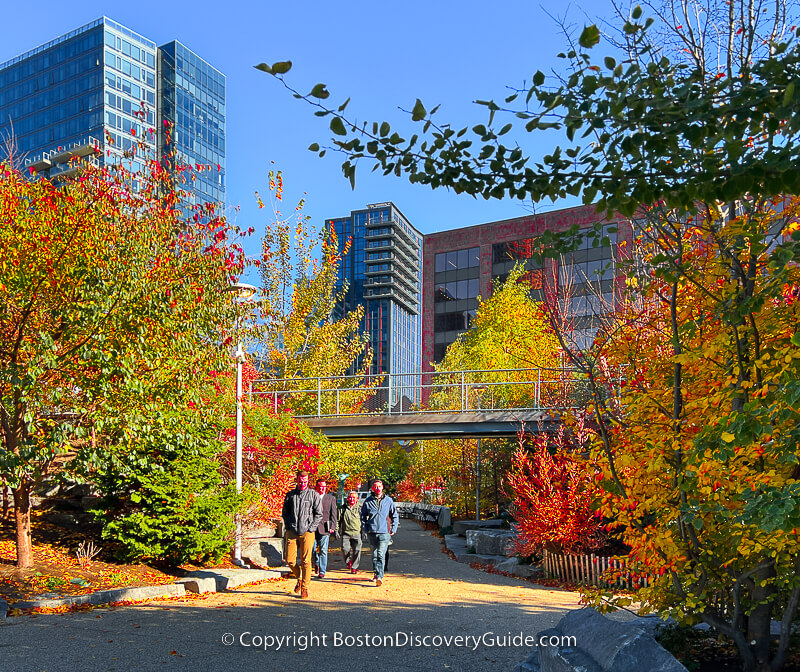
(458, 547)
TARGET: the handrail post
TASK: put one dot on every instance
(319, 397)
(462, 393)
(388, 393)
(337, 401)
(538, 395)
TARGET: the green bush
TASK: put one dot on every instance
(162, 497)
(444, 531)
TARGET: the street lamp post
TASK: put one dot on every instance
(478, 394)
(241, 291)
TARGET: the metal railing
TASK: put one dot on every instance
(537, 389)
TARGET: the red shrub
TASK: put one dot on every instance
(553, 495)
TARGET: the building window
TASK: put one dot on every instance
(451, 261)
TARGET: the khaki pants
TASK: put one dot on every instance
(298, 556)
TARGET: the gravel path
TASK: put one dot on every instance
(426, 596)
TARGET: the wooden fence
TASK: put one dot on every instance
(594, 570)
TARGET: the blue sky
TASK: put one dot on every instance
(382, 55)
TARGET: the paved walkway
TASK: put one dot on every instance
(425, 594)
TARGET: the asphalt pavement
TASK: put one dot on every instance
(431, 614)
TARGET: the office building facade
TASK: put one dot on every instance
(99, 89)
(383, 274)
(461, 265)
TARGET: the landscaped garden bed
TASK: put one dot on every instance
(57, 570)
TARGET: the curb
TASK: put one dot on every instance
(105, 596)
(205, 581)
(226, 579)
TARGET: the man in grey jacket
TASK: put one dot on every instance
(379, 519)
(302, 513)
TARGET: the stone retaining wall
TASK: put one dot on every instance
(492, 542)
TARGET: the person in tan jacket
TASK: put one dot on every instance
(301, 513)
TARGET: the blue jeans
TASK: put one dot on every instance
(321, 552)
(379, 543)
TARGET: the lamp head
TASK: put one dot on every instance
(241, 290)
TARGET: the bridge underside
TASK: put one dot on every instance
(432, 426)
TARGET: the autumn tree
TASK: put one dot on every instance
(110, 305)
(553, 492)
(295, 335)
(505, 351)
(303, 333)
(700, 465)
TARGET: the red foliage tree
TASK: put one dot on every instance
(408, 490)
(274, 446)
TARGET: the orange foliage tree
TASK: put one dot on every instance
(698, 451)
(109, 300)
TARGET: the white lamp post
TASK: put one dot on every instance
(241, 291)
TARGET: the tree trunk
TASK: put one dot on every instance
(496, 497)
(758, 621)
(22, 517)
(6, 503)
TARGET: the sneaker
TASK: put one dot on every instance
(353, 571)
(304, 594)
(378, 583)
(349, 564)
(321, 575)
(297, 587)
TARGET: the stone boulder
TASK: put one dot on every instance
(597, 644)
(492, 542)
(461, 526)
(260, 546)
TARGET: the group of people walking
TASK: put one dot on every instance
(311, 518)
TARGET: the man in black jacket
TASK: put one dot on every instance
(302, 513)
(326, 528)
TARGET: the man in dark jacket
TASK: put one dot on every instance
(379, 519)
(325, 529)
(302, 513)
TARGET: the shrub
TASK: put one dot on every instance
(163, 497)
(553, 494)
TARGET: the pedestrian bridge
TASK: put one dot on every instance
(428, 405)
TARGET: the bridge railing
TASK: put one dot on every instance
(474, 391)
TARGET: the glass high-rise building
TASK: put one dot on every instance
(95, 91)
(193, 102)
(384, 274)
